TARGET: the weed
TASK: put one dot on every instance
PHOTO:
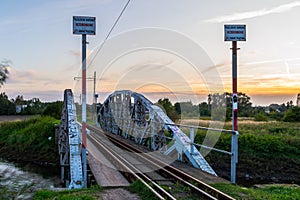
(139, 188)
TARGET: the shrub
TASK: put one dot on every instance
(260, 117)
(54, 109)
(292, 115)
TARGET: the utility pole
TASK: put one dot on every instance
(95, 98)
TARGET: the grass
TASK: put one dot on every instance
(82, 194)
(139, 188)
(264, 139)
(29, 140)
(261, 146)
(271, 192)
(268, 151)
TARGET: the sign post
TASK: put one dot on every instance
(234, 33)
(83, 25)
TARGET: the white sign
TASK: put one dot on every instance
(235, 32)
(84, 25)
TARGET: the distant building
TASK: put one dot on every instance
(20, 108)
(267, 110)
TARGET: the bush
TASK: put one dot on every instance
(54, 109)
(292, 115)
(260, 117)
(29, 140)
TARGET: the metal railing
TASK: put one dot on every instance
(234, 145)
(234, 142)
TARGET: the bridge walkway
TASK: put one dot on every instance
(103, 170)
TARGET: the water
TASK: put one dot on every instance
(18, 183)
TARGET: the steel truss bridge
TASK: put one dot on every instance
(134, 117)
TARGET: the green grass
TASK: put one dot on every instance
(272, 140)
(139, 188)
(267, 150)
(29, 139)
(82, 194)
(270, 192)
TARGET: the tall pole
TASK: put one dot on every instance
(234, 142)
(234, 87)
(234, 33)
(84, 42)
(95, 99)
(84, 25)
(94, 87)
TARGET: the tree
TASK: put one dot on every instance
(289, 104)
(244, 105)
(187, 109)
(54, 109)
(292, 115)
(219, 102)
(33, 106)
(166, 104)
(3, 72)
(177, 108)
(204, 109)
(7, 107)
(219, 105)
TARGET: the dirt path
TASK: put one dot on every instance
(4, 118)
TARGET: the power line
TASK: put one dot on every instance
(112, 28)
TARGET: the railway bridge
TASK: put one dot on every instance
(144, 130)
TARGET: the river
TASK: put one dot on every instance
(20, 182)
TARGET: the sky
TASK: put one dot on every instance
(169, 48)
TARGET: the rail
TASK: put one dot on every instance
(204, 190)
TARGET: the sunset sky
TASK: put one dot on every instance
(167, 48)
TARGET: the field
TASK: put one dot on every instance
(268, 151)
(5, 118)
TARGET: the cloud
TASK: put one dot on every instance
(44, 96)
(253, 14)
(79, 53)
(17, 76)
(272, 61)
(31, 79)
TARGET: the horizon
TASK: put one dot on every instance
(155, 97)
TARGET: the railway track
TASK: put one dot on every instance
(161, 178)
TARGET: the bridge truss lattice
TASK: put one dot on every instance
(69, 144)
(133, 116)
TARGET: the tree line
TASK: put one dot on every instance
(219, 107)
(19, 106)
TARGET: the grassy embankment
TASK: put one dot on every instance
(268, 152)
(81, 194)
(265, 150)
(271, 192)
(31, 140)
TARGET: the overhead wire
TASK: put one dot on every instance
(110, 31)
